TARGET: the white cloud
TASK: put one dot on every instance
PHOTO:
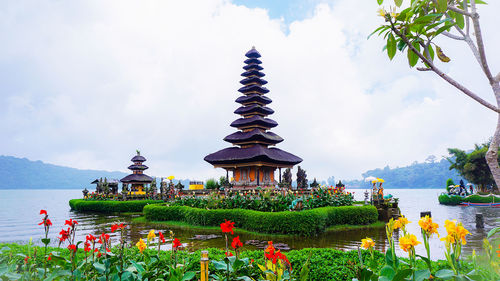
(85, 83)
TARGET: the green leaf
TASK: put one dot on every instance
(444, 274)
(219, 265)
(493, 231)
(442, 5)
(402, 274)
(188, 275)
(412, 57)
(398, 2)
(425, 19)
(99, 267)
(421, 275)
(380, 2)
(388, 272)
(391, 46)
(459, 19)
(46, 241)
(401, 45)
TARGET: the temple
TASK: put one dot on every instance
(251, 159)
(137, 179)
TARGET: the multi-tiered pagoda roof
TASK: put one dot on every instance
(253, 138)
(137, 176)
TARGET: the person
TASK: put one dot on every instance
(471, 189)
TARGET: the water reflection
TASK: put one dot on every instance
(20, 208)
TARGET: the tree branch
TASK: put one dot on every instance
(497, 78)
(451, 35)
(460, 11)
(480, 43)
(467, 19)
(443, 75)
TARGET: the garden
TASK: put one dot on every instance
(160, 256)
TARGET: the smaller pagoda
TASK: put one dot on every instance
(137, 179)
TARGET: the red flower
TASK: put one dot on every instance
(72, 247)
(236, 243)
(176, 243)
(227, 226)
(64, 235)
(229, 254)
(269, 251)
(86, 247)
(43, 212)
(162, 238)
(90, 237)
(50, 257)
(103, 237)
(45, 222)
(70, 222)
(26, 259)
(114, 227)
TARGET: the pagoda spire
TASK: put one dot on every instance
(251, 155)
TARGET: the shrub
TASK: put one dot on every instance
(308, 222)
(481, 199)
(448, 183)
(446, 199)
(211, 184)
(109, 206)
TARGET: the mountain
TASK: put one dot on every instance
(21, 173)
(417, 175)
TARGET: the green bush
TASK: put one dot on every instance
(455, 199)
(448, 183)
(212, 184)
(446, 199)
(109, 206)
(308, 222)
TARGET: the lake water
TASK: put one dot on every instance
(19, 218)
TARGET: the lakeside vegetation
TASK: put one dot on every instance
(109, 206)
(452, 200)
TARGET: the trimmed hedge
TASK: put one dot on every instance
(108, 206)
(455, 199)
(308, 222)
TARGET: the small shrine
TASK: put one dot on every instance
(253, 159)
(137, 180)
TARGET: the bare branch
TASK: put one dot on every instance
(451, 35)
(460, 11)
(424, 69)
(467, 19)
(480, 44)
(443, 75)
(497, 78)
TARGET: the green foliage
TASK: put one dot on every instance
(472, 166)
(309, 222)
(455, 199)
(324, 264)
(446, 199)
(287, 177)
(109, 206)
(267, 201)
(212, 184)
(448, 183)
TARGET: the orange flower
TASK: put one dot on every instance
(498, 251)
(408, 242)
(428, 226)
(456, 232)
(367, 243)
(141, 245)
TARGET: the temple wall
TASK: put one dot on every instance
(252, 174)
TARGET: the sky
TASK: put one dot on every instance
(85, 83)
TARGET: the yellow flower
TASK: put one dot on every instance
(461, 232)
(171, 178)
(408, 242)
(381, 13)
(404, 221)
(141, 245)
(428, 225)
(367, 243)
(151, 234)
(397, 224)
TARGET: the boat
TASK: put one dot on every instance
(480, 204)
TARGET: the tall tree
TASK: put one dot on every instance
(413, 30)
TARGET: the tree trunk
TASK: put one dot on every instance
(492, 154)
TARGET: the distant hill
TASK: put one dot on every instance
(21, 173)
(417, 175)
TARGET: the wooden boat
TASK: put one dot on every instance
(480, 204)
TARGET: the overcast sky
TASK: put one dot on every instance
(86, 83)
